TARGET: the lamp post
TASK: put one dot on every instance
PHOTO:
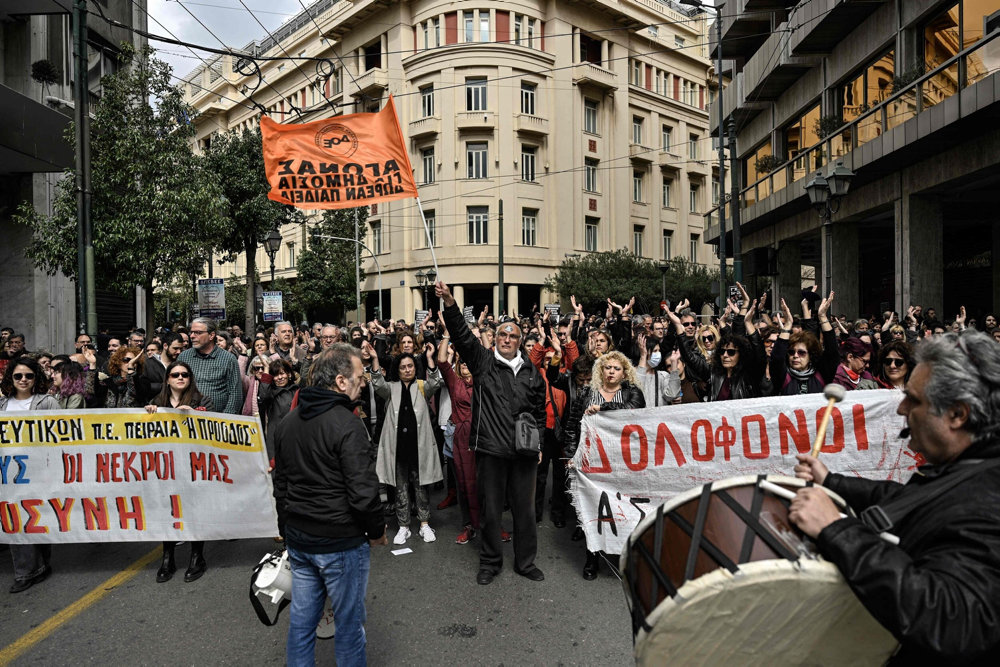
(722, 152)
(426, 279)
(271, 246)
(422, 281)
(664, 265)
(825, 194)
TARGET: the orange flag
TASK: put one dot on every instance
(340, 162)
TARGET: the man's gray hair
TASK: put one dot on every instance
(284, 322)
(331, 362)
(209, 323)
(965, 368)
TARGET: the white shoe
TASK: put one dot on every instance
(402, 536)
(427, 533)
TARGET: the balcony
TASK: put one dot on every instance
(589, 74)
(528, 124)
(767, 77)
(425, 127)
(640, 153)
(824, 23)
(372, 82)
(668, 160)
(475, 120)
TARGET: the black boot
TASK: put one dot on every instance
(197, 566)
(167, 565)
(591, 566)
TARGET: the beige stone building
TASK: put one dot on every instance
(588, 121)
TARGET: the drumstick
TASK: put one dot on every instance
(835, 393)
(782, 492)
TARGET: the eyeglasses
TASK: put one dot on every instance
(180, 374)
(798, 353)
(729, 352)
(198, 333)
(327, 337)
(893, 361)
(128, 360)
(257, 368)
(688, 325)
(707, 339)
(24, 376)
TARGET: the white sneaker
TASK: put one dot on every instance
(402, 536)
(427, 533)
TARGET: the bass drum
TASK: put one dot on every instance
(719, 576)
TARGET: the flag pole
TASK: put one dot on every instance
(430, 244)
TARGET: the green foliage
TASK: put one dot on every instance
(326, 280)
(154, 209)
(827, 125)
(237, 161)
(620, 275)
(767, 163)
(44, 72)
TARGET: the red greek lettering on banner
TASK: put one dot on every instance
(664, 437)
(837, 423)
(860, 428)
(797, 433)
(627, 433)
(706, 426)
(765, 449)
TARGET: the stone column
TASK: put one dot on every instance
(512, 298)
(789, 280)
(458, 291)
(845, 268)
(919, 253)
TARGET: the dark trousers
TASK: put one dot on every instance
(551, 451)
(513, 479)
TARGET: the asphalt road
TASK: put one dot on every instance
(423, 608)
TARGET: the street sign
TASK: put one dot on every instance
(552, 310)
(469, 313)
(212, 298)
(273, 311)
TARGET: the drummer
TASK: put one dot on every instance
(938, 592)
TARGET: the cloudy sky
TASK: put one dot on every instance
(226, 19)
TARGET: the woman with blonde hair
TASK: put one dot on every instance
(707, 338)
(613, 386)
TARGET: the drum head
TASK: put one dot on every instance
(771, 613)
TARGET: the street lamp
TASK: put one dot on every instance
(664, 265)
(737, 260)
(425, 280)
(271, 246)
(824, 195)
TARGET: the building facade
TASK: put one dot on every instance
(906, 96)
(587, 120)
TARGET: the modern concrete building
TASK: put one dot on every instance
(905, 95)
(588, 120)
(34, 152)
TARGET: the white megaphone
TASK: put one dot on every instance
(275, 577)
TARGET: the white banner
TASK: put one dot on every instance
(631, 461)
(125, 475)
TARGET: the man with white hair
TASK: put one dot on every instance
(938, 590)
(506, 385)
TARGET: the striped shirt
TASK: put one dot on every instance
(217, 376)
(596, 398)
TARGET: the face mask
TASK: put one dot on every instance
(654, 359)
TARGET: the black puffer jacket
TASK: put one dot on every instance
(498, 395)
(938, 592)
(273, 403)
(324, 475)
(632, 398)
(745, 382)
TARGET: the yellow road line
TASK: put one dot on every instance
(13, 651)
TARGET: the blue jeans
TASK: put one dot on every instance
(343, 576)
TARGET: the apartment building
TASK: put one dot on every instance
(587, 120)
(904, 95)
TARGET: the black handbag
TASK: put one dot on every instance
(526, 439)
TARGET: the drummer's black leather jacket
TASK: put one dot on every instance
(938, 592)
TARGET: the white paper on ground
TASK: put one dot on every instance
(400, 552)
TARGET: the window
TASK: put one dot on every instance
(636, 130)
(427, 165)
(693, 199)
(291, 254)
(666, 193)
(590, 116)
(801, 134)
(478, 224)
(470, 26)
(475, 154)
(590, 174)
(427, 35)
(693, 146)
(431, 227)
(437, 32)
(590, 49)
(531, 32)
(528, 162)
(475, 94)
(637, 234)
(528, 98)
(484, 25)
(373, 55)
(376, 237)
(529, 226)
(590, 233)
(715, 193)
(668, 243)
(665, 138)
(693, 249)
(678, 42)
(654, 31)
(637, 187)
(635, 73)
(427, 101)
(517, 28)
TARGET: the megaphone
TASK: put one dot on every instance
(274, 578)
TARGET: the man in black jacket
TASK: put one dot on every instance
(329, 513)
(938, 591)
(505, 384)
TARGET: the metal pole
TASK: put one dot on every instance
(501, 301)
(827, 216)
(722, 165)
(272, 272)
(357, 264)
(86, 299)
(735, 176)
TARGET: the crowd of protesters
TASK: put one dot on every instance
(421, 393)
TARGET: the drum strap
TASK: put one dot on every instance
(762, 532)
(721, 559)
(755, 505)
(699, 529)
